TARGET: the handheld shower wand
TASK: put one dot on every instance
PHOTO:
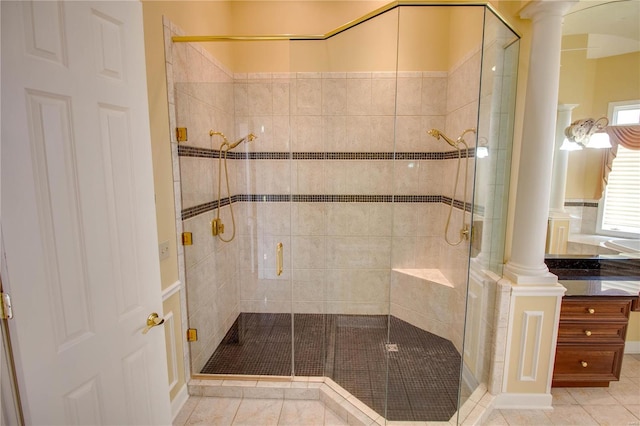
(250, 137)
(464, 231)
(217, 227)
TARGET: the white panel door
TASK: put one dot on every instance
(78, 214)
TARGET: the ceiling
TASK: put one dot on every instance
(613, 27)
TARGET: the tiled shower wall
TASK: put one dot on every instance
(344, 231)
(201, 98)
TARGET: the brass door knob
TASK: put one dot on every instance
(584, 364)
(587, 332)
(591, 311)
(152, 320)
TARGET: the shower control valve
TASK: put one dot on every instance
(465, 232)
(217, 227)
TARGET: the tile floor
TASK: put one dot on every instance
(618, 405)
(422, 376)
(255, 412)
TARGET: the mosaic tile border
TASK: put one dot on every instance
(580, 204)
(190, 212)
(190, 151)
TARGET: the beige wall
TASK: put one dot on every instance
(283, 17)
(617, 79)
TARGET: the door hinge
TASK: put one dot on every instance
(181, 134)
(192, 335)
(5, 307)
(187, 239)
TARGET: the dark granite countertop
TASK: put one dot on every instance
(602, 275)
(599, 267)
(601, 287)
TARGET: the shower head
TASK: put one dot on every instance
(247, 138)
(438, 134)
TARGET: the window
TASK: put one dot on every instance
(619, 211)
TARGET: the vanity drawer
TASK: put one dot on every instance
(587, 363)
(587, 309)
(586, 332)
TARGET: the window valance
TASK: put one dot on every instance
(627, 136)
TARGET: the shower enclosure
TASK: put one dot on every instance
(339, 266)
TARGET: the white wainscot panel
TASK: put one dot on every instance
(530, 349)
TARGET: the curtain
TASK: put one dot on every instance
(625, 135)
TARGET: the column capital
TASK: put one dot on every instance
(567, 107)
(540, 8)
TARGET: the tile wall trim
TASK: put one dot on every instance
(191, 212)
(580, 204)
(191, 151)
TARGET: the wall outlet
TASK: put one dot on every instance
(163, 249)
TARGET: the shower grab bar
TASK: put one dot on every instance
(279, 259)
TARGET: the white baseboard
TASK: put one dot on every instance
(179, 400)
(523, 401)
(632, 347)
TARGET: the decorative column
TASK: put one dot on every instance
(560, 160)
(526, 265)
(559, 219)
(535, 295)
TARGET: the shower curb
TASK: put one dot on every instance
(337, 399)
(346, 406)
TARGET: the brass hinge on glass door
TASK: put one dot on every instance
(279, 259)
(6, 312)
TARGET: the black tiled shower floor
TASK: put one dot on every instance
(422, 376)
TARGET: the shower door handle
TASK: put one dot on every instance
(279, 259)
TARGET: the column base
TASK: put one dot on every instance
(523, 275)
(524, 401)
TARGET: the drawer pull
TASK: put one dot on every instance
(591, 311)
(584, 364)
(587, 332)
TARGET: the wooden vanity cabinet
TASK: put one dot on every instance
(591, 338)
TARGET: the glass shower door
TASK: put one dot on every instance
(235, 205)
(342, 115)
(262, 335)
